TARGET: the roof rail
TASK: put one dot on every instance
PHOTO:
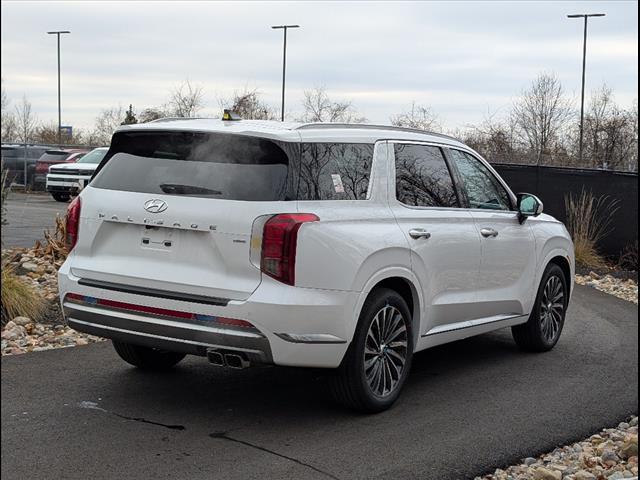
(173, 119)
(311, 126)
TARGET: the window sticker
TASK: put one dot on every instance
(337, 183)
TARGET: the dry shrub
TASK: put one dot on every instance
(54, 243)
(18, 298)
(588, 222)
(629, 257)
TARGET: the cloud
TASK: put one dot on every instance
(462, 58)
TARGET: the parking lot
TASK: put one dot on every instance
(29, 215)
(468, 408)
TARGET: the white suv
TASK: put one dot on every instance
(346, 247)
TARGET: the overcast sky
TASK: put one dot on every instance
(464, 59)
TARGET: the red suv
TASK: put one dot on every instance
(52, 157)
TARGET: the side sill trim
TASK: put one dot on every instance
(152, 292)
(473, 323)
(310, 338)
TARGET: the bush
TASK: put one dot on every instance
(588, 222)
(629, 257)
(18, 298)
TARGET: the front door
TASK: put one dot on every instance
(507, 269)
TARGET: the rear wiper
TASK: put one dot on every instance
(178, 189)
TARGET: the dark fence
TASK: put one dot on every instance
(553, 184)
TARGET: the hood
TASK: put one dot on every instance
(75, 166)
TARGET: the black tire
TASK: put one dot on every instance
(349, 384)
(60, 197)
(533, 336)
(147, 358)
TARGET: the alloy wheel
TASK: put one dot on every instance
(552, 308)
(385, 351)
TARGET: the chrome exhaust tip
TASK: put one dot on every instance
(234, 360)
(216, 358)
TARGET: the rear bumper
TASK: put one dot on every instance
(293, 326)
(192, 338)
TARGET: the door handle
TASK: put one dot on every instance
(419, 233)
(488, 232)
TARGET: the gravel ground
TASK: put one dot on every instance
(609, 455)
(625, 289)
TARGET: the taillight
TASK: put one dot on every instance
(279, 241)
(73, 223)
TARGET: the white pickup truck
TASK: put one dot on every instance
(67, 179)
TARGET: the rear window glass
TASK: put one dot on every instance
(334, 171)
(53, 156)
(211, 165)
(9, 152)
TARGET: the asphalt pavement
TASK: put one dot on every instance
(468, 408)
(29, 215)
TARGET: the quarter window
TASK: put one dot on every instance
(423, 178)
(334, 171)
(482, 188)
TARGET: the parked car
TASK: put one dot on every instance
(345, 247)
(14, 158)
(67, 179)
(51, 157)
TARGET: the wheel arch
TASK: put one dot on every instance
(406, 285)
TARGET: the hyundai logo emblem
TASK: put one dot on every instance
(155, 206)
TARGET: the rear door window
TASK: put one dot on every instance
(334, 171)
(210, 165)
(423, 178)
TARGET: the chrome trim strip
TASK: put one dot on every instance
(152, 292)
(310, 338)
(452, 327)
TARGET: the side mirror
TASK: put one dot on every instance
(528, 206)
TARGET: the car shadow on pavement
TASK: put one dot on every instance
(196, 388)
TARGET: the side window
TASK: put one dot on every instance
(482, 187)
(334, 171)
(423, 178)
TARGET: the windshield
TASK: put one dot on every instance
(94, 156)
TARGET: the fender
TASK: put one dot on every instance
(393, 272)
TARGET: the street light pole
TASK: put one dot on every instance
(584, 65)
(284, 60)
(58, 33)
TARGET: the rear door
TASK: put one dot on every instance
(173, 211)
(445, 244)
(508, 264)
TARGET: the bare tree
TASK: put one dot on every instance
(8, 121)
(186, 100)
(108, 120)
(421, 117)
(541, 113)
(610, 133)
(248, 105)
(318, 107)
(153, 113)
(26, 121)
(48, 133)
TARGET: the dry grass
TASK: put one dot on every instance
(18, 298)
(589, 221)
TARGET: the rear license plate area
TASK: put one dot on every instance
(157, 238)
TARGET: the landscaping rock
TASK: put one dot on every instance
(610, 455)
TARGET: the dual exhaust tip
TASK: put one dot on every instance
(236, 360)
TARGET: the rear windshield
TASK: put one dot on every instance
(9, 152)
(211, 165)
(53, 156)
